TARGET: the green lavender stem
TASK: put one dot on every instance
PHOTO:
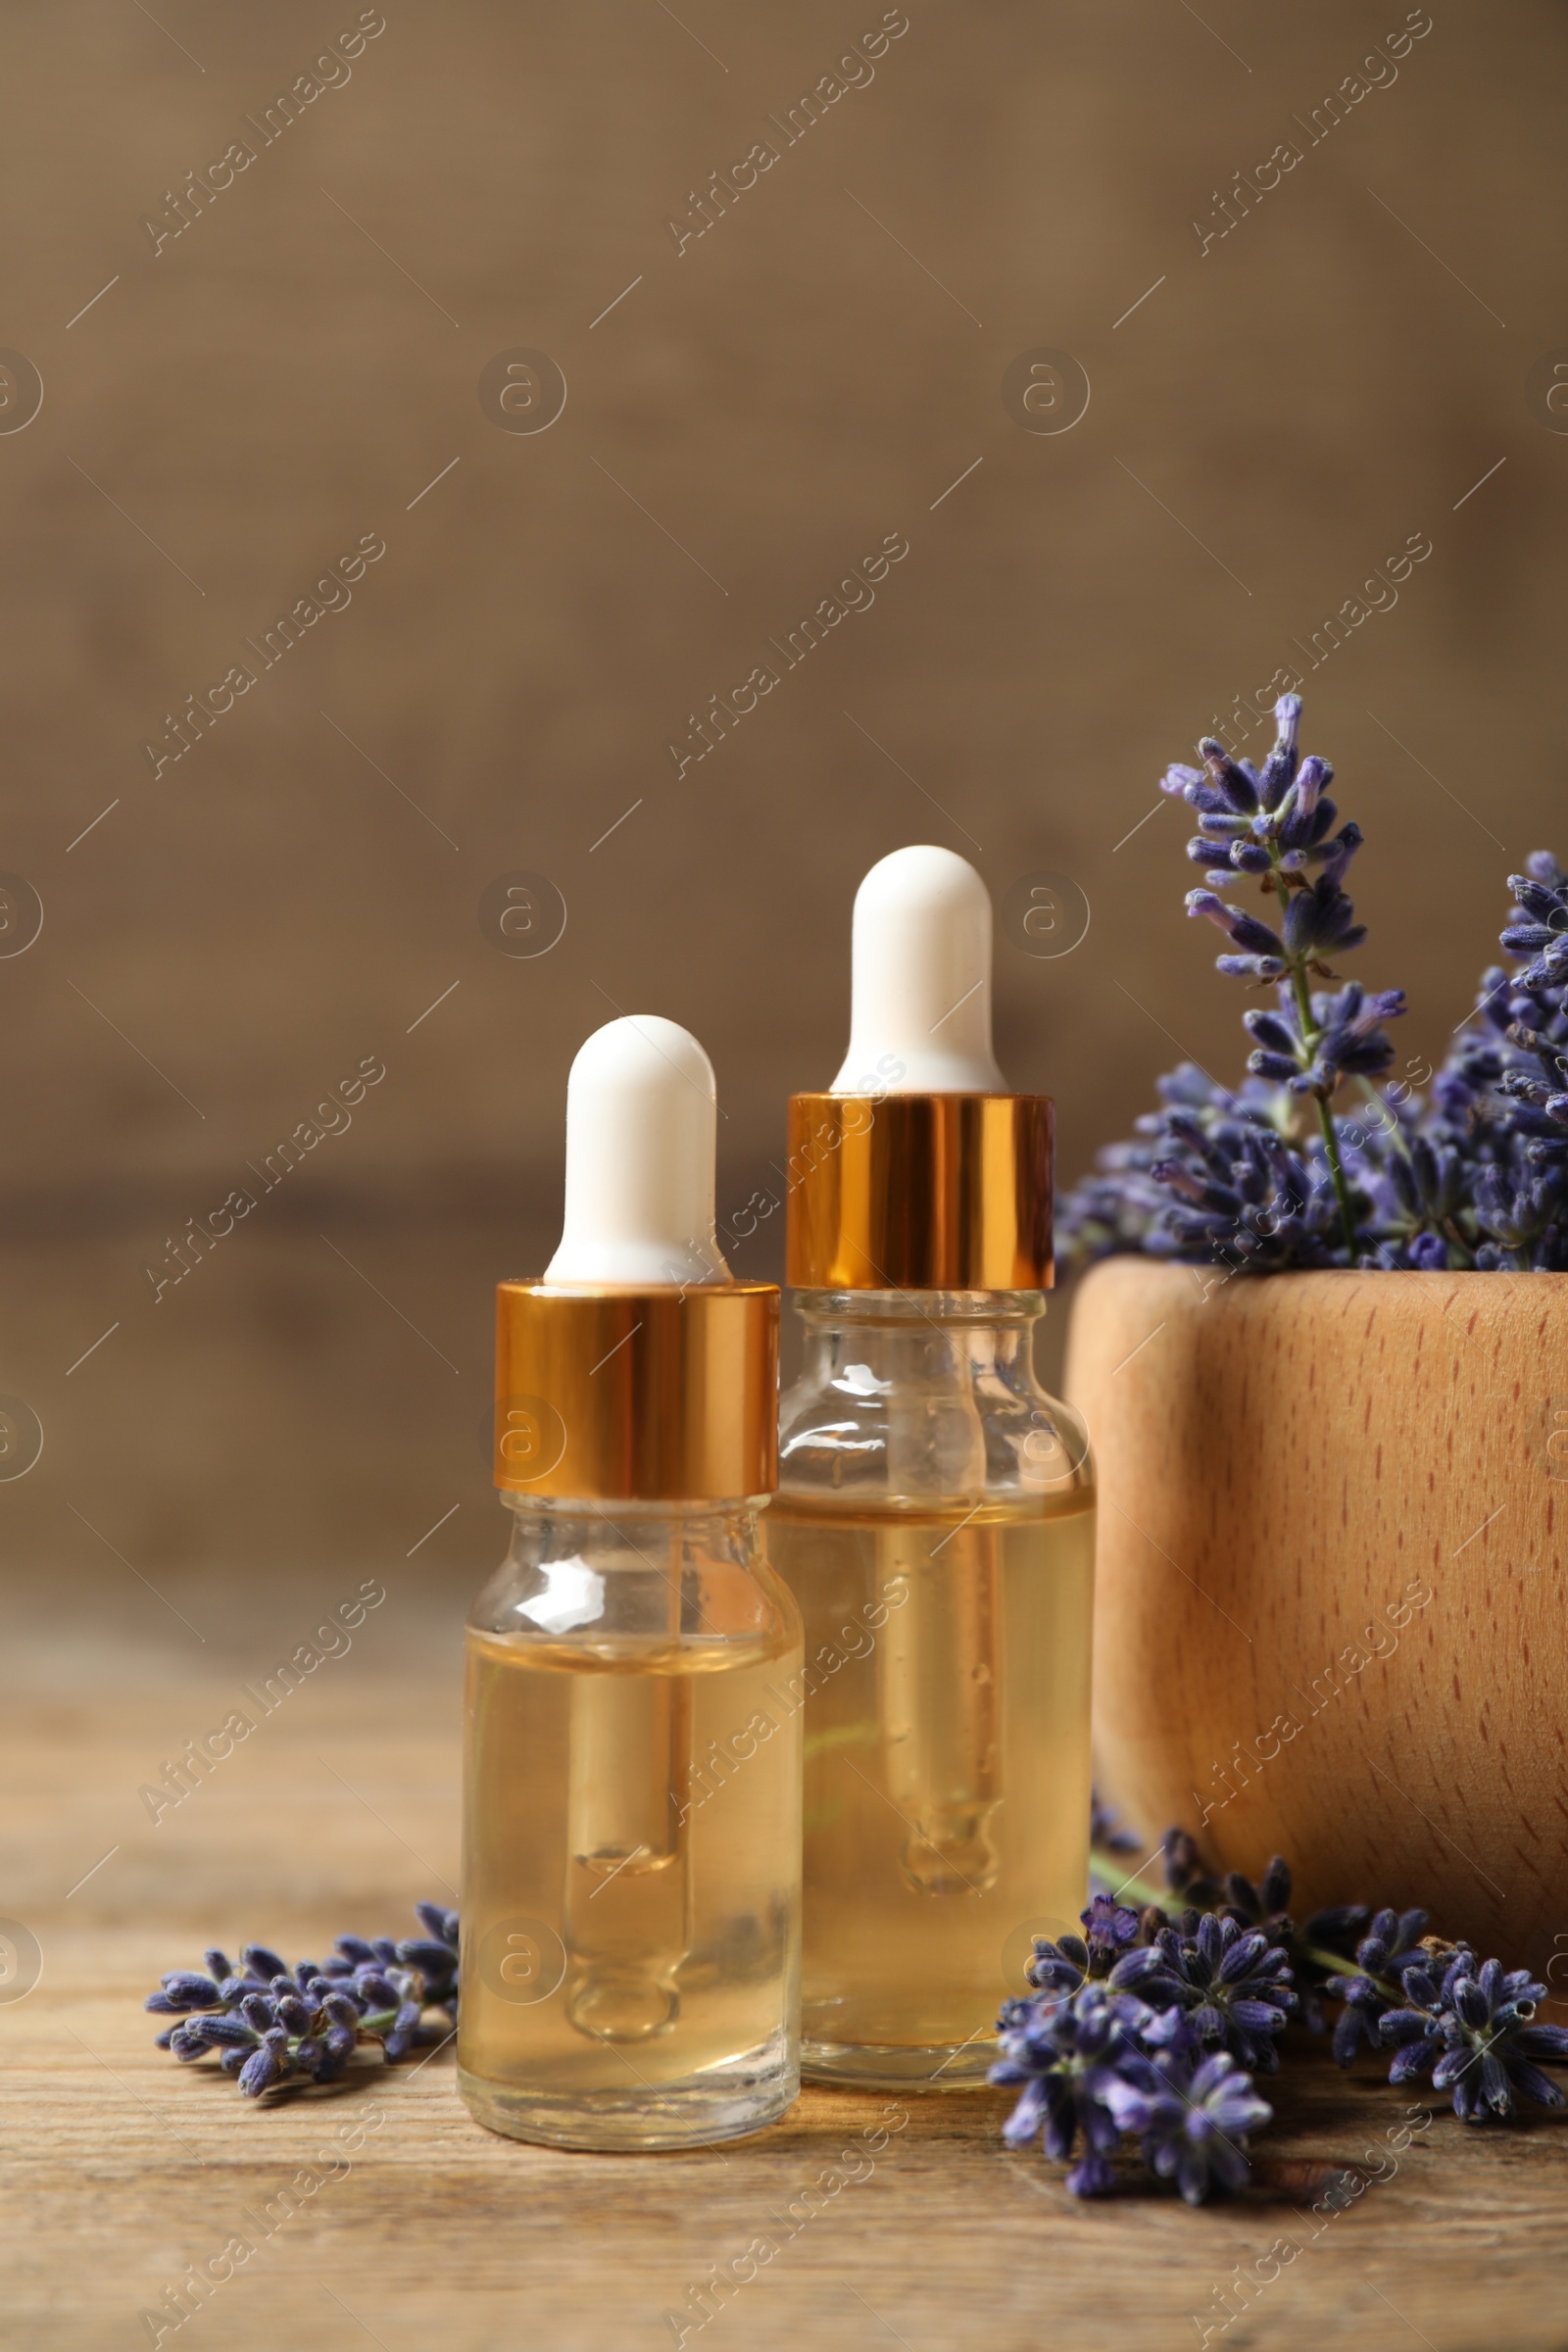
(1312, 1030)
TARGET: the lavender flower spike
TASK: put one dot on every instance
(273, 2026)
(1316, 1159)
(1476, 2034)
(1195, 2121)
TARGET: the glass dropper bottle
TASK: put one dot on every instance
(935, 1515)
(632, 1718)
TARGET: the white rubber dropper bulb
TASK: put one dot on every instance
(920, 1015)
(641, 1131)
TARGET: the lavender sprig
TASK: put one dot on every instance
(1392, 1946)
(1277, 825)
(271, 2025)
(1468, 2025)
(1195, 2121)
(1473, 2030)
(1471, 1175)
(1071, 2056)
(1095, 2062)
(1233, 1985)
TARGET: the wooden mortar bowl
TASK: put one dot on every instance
(1330, 1612)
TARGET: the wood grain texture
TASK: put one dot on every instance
(119, 2168)
(1285, 1466)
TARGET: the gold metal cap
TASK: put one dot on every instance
(637, 1396)
(919, 1193)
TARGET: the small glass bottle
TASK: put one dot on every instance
(935, 1516)
(630, 1972)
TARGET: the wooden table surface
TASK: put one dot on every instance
(121, 2169)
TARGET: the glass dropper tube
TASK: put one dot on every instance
(938, 1688)
(627, 1809)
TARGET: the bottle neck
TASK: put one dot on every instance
(730, 1522)
(593, 1571)
(911, 1396)
(922, 1337)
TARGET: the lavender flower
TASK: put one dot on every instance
(1474, 2031)
(1390, 1947)
(271, 2024)
(1096, 2060)
(1147, 2024)
(1234, 1987)
(1072, 1961)
(1194, 2119)
(1271, 1176)
(1068, 2054)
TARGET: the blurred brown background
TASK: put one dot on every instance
(227, 411)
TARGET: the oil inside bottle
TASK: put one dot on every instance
(631, 1922)
(947, 1770)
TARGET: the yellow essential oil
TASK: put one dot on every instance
(630, 1884)
(946, 1771)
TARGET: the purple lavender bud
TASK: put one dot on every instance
(1280, 765)
(1251, 858)
(396, 2043)
(1341, 851)
(1255, 937)
(1547, 970)
(228, 2033)
(339, 2010)
(1251, 967)
(1280, 1068)
(216, 1965)
(1207, 798)
(1320, 825)
(1313, 775)
(434, 1958)
(294, 2013)
(189, 2040)
(186, 1989)
(261, 2070)
(1229, 776)
(164, 2006)
(1247, 931)
(1269, 1030)
(1178, 779)
(259, 2013)
(261, 1963)
(341, 2043)
(1524, 939)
